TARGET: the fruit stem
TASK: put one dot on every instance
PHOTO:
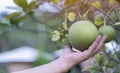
(104, 24)
(65, 21)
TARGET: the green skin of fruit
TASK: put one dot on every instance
(81, 34)
(107, 30)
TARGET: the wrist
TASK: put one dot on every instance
(59, 66)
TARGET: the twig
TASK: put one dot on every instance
(116, 52)
(110, 58)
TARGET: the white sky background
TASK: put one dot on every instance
(7, 3)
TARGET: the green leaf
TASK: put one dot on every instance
(64, 25)
(18, 20)
(71, 16)
(98, 22)
(55, 1)
(92, 68)
(32, 5)
(100, 58)
(96, 5)
(29, 9)
(111, 64)
(112, 2)
(21, 3)
(55, 35)
(69, 2)
(117, 23)
(21, 19)
(11, 16)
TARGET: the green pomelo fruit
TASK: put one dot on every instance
(109, 31)
(81, 34)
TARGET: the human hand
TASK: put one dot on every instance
(68, 59)
(71, 58)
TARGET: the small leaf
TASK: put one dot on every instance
(11, 16)
(14, 23)
(98, 22)
(69, 2)
(112, 2)
(117, 23)
(32, 5)
(29, 9)
(100, 58)
(103, 48)
(96, 5)
(21, 19)
(71, 16)
(55, 1)
(92, 68)
(55, 35)
(111, 64)
(18, 20)
(21, 3)
(64, 25)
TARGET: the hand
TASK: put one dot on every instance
(71, 58)
(68, 59)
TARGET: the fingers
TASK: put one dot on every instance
(101, 42)
(76, 57)
(94, 45)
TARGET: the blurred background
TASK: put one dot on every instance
(25, 41)
(29, 27)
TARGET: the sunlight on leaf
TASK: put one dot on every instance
(55, 35)
(96, 5)
(69, 2)
(112, 2)
(117, 23)
(64, 25)
(13, 15)
(98, 22)
(111, 64)
(32, 5)
(100, 58)
(71, 16)
(55, 1)
(21, 3)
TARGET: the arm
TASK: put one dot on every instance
(68, 59)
